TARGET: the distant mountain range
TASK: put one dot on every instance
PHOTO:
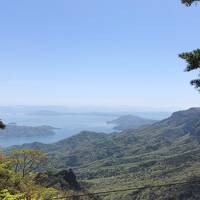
(130, 122)
(164, 152)
(56, 113)
(47, 112)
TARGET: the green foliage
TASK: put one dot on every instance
(189, 2)
(2, 125)
(27, 161)
(5, 195)
(47, 194)
(17, 172)
(193, 62)
(8, 178)
(192, 58)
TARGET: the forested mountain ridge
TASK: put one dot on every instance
(163, 152)
(181, 126)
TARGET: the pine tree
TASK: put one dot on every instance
(189, 2)
(192, 58)
(193, 62)
(2, 125)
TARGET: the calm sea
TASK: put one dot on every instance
(67, 125)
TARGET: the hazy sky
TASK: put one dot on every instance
(97, 52)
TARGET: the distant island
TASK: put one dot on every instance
(130, 122)
(13, 130)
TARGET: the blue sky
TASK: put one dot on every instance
(97, 52)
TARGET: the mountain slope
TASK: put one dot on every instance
(180, 132)
(163, 152)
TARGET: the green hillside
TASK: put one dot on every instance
(164, 152)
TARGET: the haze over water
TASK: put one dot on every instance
(67, 124)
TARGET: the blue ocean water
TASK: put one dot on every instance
(68, 125)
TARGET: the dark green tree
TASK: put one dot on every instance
(2, 125)
(27, 161)
(193, 62)
(189, 2)
(192, 58)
